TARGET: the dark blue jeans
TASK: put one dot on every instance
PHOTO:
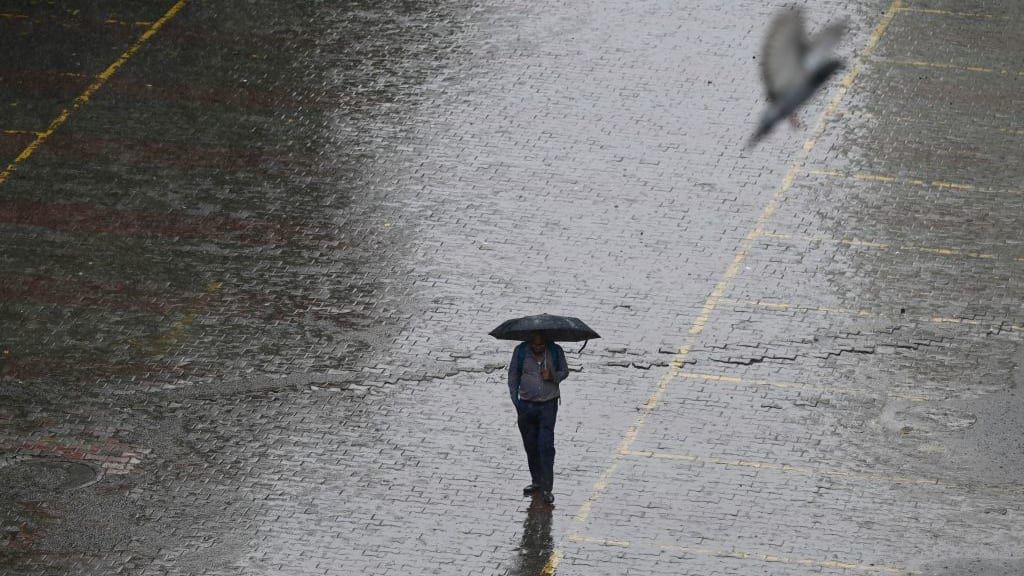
(537, 425)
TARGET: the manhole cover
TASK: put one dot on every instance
(34, 474)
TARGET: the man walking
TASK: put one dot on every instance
(536, 369)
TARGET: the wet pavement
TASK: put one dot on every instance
(246, 281)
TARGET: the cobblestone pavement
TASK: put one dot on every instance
(250, 252)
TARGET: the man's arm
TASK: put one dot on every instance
(513, 377)
(561, 365)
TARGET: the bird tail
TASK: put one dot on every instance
(762, 129)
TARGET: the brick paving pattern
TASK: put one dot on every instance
(246, 282)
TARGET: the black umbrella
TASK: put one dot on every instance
(556, 328)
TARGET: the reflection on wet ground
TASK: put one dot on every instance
(245, 286)
(537, 543)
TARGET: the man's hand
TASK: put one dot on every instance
(546, 374)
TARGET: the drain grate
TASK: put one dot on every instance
(41, 474)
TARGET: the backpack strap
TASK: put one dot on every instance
(559, 359)
(557, 356)
(521, 357)
(520, 360)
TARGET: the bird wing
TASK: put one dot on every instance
(820, 48)
(782, 56)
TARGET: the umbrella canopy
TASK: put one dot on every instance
(556, 328)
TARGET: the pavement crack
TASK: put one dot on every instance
(841, 351)
(453, 372)
(643, 364)
(755, 359)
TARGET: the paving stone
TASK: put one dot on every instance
(249, 282)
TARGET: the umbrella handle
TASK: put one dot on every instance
(585, 342)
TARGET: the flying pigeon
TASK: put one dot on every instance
(793, 67)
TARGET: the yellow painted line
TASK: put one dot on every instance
(784, 306)
(892, 118)
(91, 89)
(734, 554)
(799, 386)
(731, 272)
(552, 564)
(884, 178)
(783, 385)
(828, 472)
(876, 178)
(940, 184)
(580, 539)
(73, 74)
(790, 469)
(952, 185)
(969, 322)
(771, 558)
(944, 66)
(954, 13)
(138, 24)
(830, 173)
(958, 252)
(112, 21)
(20, 133)
(950, 252)
(787, 468)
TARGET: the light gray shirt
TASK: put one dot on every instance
(533, 387)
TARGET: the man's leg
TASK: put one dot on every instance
(546, 442)
(529, 426)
